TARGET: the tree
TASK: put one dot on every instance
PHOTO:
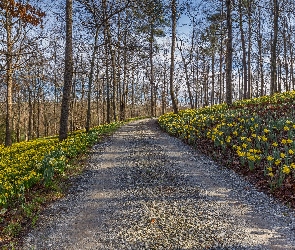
(273, 60)
(244, 61)
(229, 52)
(15, 13)
(68, 73)
(151, 21)
(174, 20)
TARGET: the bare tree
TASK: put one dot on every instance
(68, 73)
(273, 60)
(229, 52)
(173, 19)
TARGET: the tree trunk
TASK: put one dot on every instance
(286, 66)
(9, 74)
(249, 49)
(244, 63)
(291, 63)
(229, 53)
(151, 55)
(90, 83)
(213, 78)
(125, 84)
(273, 60)
(187, 78)
(18, 130)
(68, 74)
(29, 134)
(259, 39)
(221, 59)
(164, 91)
(172, 93)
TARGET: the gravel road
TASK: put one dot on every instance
(146, 190)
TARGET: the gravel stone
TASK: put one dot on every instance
(146, 190)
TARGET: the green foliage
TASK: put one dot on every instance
(260, 132)
(26, 164)
(12, 229)
(150, 17)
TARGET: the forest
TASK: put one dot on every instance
(217, 74)
(79, 64)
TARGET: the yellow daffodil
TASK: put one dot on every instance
(264, 138)
(270, 174)
(241, 153)
(286, 169)
(286, 128)
(251, 157)
(270, 158)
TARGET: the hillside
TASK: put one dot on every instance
(255, 137)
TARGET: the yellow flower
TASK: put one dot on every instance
(289, 141)
(271, 174)
(286, 169)
(269, 158)
(265, 130)
(264, 138)
(277, 162)
(269, 169)
(235, 133)
(286, 128)
(291, 152)
(251, 158)
(275, 144)
(254, 135)
(282, 155)
(244, 145)
(240, 153)
(258, 157)
(284, 141)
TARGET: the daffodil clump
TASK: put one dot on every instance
(260, 131)
(25, 164)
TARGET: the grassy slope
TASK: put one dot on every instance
(35, 173)
(254, 137)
